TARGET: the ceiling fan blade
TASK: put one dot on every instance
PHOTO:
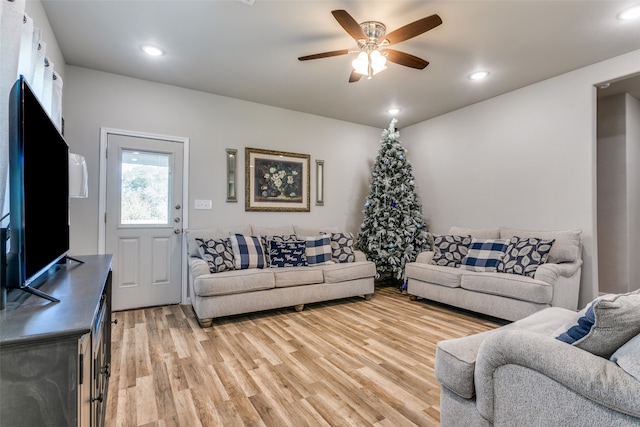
(354, 77)
(405, 59)
(324, 55)
(414, 29)
(349, 24)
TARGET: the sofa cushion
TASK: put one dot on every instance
(456, 363)
(604, 324)
(247, 251)
(218, 254)
(285, 230)
(524, 255)
(456, 358)
(212, 233)
(303, 231)
(297, 276)
(566, 247)
(342, 272)
(444, 276)
(342, 247)
(508, 285)
(287, 254)
(628, 357)
(484, 254)
(318, 250)
(233, 282)
(449, 249)
(478, 233)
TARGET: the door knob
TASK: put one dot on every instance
(177, 231)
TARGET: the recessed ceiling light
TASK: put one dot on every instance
(478, 75)
(632, 13)
(152, 50)
(393, 111)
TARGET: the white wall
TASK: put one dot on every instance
(212, 123)
(525, 159)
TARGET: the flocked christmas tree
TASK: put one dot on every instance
(393, 231)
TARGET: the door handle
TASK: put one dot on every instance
(177, 231)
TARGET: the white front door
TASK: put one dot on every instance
(143, 224)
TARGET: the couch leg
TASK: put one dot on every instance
(413, 297)
(298, 307)
(205, 323)
(368, 297)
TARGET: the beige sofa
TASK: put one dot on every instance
(503, 295)
(254, 289)
(520, 374)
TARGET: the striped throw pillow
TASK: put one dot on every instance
(484, 254)
(318, 250)
(247, 251)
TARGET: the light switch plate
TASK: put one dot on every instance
(202, 204)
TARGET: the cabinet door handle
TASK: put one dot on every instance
(99, 398)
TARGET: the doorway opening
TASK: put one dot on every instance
(618, 184)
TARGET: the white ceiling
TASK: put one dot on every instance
(249, 52)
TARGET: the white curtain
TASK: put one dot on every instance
(22, 52)
(28, 46)
(11, 18)
(56, 100)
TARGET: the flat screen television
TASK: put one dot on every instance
(39, 191)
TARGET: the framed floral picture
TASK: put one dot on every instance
(276, 181)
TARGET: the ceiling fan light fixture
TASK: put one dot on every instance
(378, 61)
(361, 64)
(371, 36)
(374, 62)
(377, 69)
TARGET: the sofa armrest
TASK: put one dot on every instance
(198, 267)
(550, 272)
(565, 280)
(592, 377)
(360, 256)
(425, 257)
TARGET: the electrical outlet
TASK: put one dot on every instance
(202, 204)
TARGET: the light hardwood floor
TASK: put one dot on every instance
(342, 363)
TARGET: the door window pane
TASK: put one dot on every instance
(145, 185)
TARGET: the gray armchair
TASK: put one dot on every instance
(520, 375)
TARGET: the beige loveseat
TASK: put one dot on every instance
(522, 375)
(556, 282)
(238, 291)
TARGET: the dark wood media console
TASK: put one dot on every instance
(55, 357)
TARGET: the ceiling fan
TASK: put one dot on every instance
(372, 39)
